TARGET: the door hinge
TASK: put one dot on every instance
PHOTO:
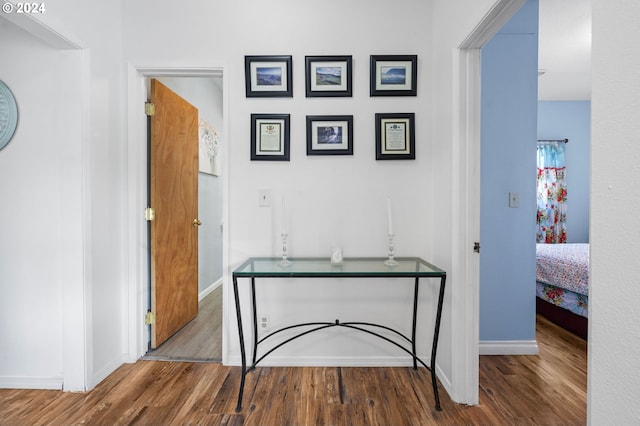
(149, 318)
(149, 214)
(476, 247)
(149, 108)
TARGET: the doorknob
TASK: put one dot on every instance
(196, 223)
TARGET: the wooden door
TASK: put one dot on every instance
(173, 190)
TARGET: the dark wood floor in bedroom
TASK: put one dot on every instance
(547, 389)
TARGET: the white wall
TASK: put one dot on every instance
(31, 252)
(614, 331)
(330, 199)
(84, 243)
(42, 231)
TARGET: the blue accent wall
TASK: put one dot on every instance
(508, 164)
(571, 120)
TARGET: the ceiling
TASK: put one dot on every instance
(564, 50)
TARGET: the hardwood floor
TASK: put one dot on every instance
(200, 340)
(548, 389)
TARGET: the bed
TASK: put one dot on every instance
(562, 285)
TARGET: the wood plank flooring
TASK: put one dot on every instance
(548, 389)
(201, 339)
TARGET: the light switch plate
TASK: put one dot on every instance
(514, 199)
(264, 198)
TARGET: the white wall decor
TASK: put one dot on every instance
(209, 158)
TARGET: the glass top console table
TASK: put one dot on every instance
(271, 267)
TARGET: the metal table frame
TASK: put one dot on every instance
(247, 270)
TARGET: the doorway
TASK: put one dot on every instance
(205, 88)
(200, 339)
(508, 134)
(512, 88)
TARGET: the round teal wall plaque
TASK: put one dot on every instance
(8, 115)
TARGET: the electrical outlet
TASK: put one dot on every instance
(264, 198)
(264, 321)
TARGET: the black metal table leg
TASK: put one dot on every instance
(415, 321)
(255, 322)
(434, 348)
(242, 352)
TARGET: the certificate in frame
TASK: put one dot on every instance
(268, 76)
(270, 137)
(329, 135)
(394, 75)
(395, 136)
(328, 76)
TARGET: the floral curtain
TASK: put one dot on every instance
(552, 193)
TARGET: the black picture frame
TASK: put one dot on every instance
(395, 136)
(330, 135)
(393, 75)
(270, 137)
(268, 76)
(328, 76)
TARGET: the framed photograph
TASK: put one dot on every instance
(270, 137)
(395, 136)
(394, 75)
(329, 135)
(268, 76)
(328, 76)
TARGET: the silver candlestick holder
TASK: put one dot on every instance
(391, 261)
(284, 261)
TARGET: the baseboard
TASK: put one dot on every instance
(444, 380)
(102, 374)
(207, 291)
(508, 347)
(48, 383)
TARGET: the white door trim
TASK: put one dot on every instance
(466, 184)
(138, 256)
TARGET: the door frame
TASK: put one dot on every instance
(466, 186)
(136, 304)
